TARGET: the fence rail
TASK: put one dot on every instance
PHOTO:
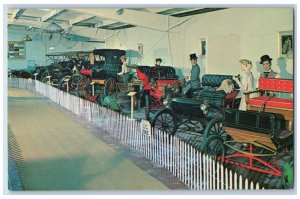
(195, 169)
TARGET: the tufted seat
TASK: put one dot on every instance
(209, 84)
(212, 80)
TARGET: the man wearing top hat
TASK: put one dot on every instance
(265, 60)
(194, 83)
(158, 62)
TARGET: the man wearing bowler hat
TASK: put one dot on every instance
(194, 83)
(265, 60)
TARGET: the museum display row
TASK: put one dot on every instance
(253, 131)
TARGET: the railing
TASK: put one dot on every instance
(195, 169)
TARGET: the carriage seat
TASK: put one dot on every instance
(261, 127)
(273, 103)
(210, 82)
(163, 72)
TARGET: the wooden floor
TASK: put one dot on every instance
(60, 154)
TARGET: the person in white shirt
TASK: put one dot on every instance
(125, 70)
(247, 81)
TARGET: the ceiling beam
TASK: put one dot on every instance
(19, 13)
(51, 14)
(86, 32)
(133, 17)
(13, 15)
(16, 14)
(80, 18)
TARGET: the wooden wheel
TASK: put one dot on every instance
(165, 121)
(215, 127)
(83, 88)
(110, 87)
(213, 146)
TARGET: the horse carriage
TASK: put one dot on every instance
(204, 111)
(261, 137)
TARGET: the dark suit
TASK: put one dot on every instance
(195, 77)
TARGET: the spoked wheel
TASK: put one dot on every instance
(165, 121)
(215, 127)
(82, 88)
(213, 146)
(110, 87)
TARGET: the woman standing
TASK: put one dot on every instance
(247, 82)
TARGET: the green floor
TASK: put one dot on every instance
(60, 154)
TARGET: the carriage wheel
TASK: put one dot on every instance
(213, 146)
(166, 121)
(214, 127)
(82, 87)
(110, 87)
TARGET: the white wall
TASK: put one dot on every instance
(232, 34)
(35, 49)
(237, 33)
(155, 44)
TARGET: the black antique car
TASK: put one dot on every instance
(76, 61)
(101, 76)
(19, 74)
(204, 111)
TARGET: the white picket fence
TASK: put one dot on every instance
(195, 169)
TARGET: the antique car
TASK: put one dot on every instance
(100, 78)
(261, 137)
(156, 85)
(19, 74)
(63, 70)
(77, 61)
(204, 111)
(159, 83)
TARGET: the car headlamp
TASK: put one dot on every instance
(204, 107)
(167, 100)
(175, 89)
